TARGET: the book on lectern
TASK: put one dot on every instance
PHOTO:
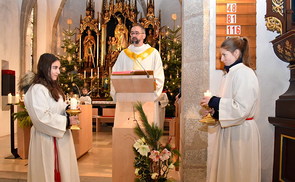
(134, 72)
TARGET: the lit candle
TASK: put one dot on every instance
(73, 104)
(174, 16)
(9, 101)
(84, 73)
(207, 93)
(91, 73)
(16, 99)
(69, 21)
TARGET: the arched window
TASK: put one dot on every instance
(29, 43)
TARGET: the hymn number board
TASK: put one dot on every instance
(236, 18)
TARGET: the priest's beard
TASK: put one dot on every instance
(135, 40)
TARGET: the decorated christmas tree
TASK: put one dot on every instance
(71, 80)
(171, 57)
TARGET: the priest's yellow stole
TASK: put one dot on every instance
(139, 57)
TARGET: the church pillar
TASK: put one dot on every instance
(195, 81)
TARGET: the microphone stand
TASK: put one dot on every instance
(147, 74)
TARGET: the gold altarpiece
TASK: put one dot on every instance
(101, 39)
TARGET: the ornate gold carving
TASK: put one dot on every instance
(277, 6)
(284, 51)
(118, 7)
(274, 24)
(89, 37)
(280, 49)
(288, 45)
(89, 20)
(151, 21)
(127, 9)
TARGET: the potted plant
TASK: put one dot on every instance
(24, 124)
(23, 118)
(153, 160)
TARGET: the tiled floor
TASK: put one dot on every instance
(95, 166)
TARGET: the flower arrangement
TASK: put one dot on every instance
(153, 160)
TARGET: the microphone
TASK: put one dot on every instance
(147, 74)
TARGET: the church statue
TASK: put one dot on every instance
(88, 16)
(121, 34)
(89, 49)
(112, 43)
(150, 38)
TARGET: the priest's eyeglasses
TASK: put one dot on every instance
(135, 33)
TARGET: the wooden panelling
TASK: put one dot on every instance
(220, 39)
(284, 149)
(236, 18)
(234, 1)
(242, 19)
(246, 31)
(242, 8)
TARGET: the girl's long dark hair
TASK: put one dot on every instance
(43, 76)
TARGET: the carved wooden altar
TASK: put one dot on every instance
(152, 25)
(101, 39)
(280, 17)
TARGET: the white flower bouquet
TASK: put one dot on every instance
(153, 160)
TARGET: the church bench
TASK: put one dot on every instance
(102, 119)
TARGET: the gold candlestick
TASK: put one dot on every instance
(208, 119)
(74, 112)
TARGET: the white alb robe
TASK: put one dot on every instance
(49, 120)
(85, 100)
(234, 153)
(152, 62)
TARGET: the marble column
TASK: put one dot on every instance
(195, 81)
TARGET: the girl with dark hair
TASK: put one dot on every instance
(235, 148)
(52, 154)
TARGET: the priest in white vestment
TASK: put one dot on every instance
(140, 56)
(234, 147)
(45, 104)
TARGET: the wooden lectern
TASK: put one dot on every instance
(130, 87)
